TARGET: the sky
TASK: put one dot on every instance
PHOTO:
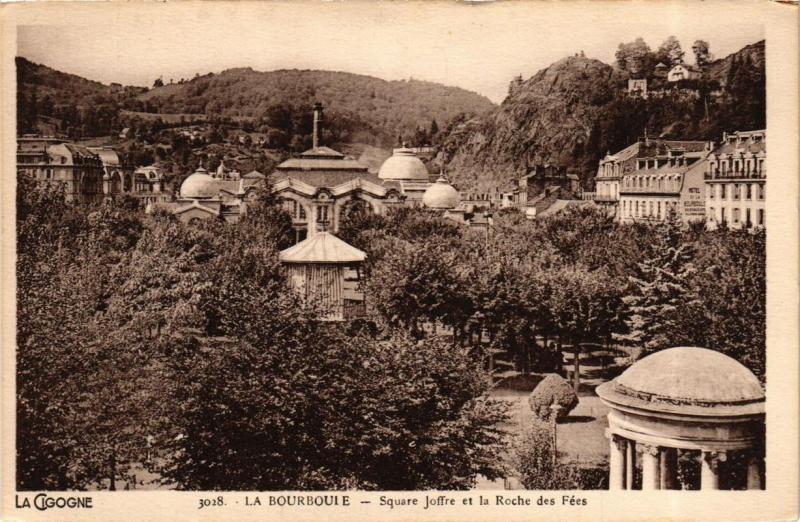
(477, 46)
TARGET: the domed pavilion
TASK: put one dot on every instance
(405, 167)
(441, 195)
(202, 196)
(680, 409)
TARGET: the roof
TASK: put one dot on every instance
(741, 142)
(687, 380)
(321, 152)
(322, 247)
(441, 195)
(403, 164)
(561, 204)
(331, 178)
(254, 175)
(322, 158)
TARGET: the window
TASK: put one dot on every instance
(736, 215)
(747, 222)
(762, 192)
(723, 217)
(301, 211)
(711, 191)
(749, 191)
(761, 217)
(722, 191)
(711, 213)
(658, 212)
(322, 214)
(736, 193)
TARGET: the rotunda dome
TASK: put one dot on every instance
(441, 195)
(690, 375)
(403, 164)
(199, 185)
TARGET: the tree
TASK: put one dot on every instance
(323, 410)
(700, 49)
(158, 83)
(635, 57)
(661, 288)
(729, 314)
(670, 51)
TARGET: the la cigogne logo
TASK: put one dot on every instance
(43, 502)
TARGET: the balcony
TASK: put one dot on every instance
(650, 190)
(725, 176)
(605, 198)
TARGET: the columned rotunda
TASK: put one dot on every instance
(693, 418)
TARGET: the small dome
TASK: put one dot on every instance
(199, 185)
(403, 165)
(690, 375)
(441, 195)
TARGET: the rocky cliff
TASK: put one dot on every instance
(577, 109)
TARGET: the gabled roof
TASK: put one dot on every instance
(322, 247)
(322, 152)
(254, 175)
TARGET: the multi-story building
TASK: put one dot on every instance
(50, 159)
(609, 175)
(668, 180)
(735, 181)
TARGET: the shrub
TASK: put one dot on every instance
(553, 388)
(532, 461)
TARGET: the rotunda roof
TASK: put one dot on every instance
(441, 195)
(199, 185)
(693, 375)
(403, 164)
(687, 380)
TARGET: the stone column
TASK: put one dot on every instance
(650, 472)
(754, 472)
(709, 469)
(669, 467)
(616, 463)
(630, 462)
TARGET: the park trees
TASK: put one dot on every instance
(306, 407)
(660, 291)
(729, 313)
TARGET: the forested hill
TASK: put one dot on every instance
(577, 109)
(358, 107)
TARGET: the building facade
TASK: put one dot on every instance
(736, 180)
(684, 72)
(667, 181)
(53, 160)
(321, 186)
(609, 174)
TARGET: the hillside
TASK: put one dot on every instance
(574, 111)
(359, 108)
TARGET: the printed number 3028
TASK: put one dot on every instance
(211, 502)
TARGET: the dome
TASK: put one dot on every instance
(199, 185)
(441, 195)
(688, 375)
(403, 165)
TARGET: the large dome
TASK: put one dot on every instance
(403, 165)
(689, 375)
(199, 185)
(441, 195)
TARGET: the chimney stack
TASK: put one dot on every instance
(317, 124)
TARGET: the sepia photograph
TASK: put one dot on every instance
(391, 247)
